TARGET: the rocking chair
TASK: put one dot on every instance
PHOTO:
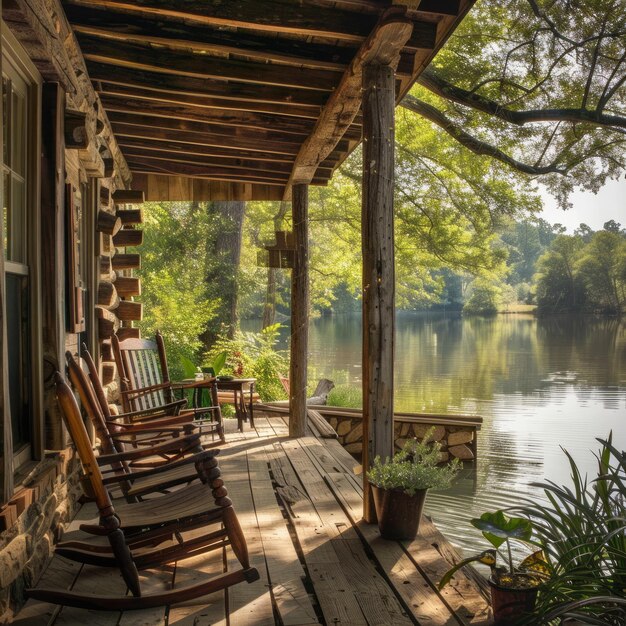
(141, 535)
(146, 385)
(116, 437)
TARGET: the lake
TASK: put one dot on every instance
(538, 384)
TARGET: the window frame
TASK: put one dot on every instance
(15, 57)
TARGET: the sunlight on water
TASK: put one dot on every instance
(538, 384)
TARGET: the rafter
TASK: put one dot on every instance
(219, 89)
(164, 61)
(273, 16)
(259, 121)
(169, 96)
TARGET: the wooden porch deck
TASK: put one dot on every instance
(299, 504)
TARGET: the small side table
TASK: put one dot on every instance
(242, 390)
(204, 415)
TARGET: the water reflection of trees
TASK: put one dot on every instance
(445, 363)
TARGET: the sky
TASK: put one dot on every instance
(592, 209)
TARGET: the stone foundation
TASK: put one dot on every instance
(33, 521)
(457, 441)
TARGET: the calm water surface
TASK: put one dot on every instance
(538, 384)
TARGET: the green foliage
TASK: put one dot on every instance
(416, 466)
(346, 396)
(536, 56)
(486, 297)
(584, 272)
(172, 281)
(253, 355)
(582, 532)
(498, 529)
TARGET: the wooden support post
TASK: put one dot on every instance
(52, 255)
(378, 269)
(299, 312)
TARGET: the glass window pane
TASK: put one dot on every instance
(17, 222)
(18, 348)
(18, 133)
(6, 213)
(6, 87)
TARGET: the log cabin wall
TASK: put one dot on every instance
(71, 196)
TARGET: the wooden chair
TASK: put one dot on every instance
(146, 385)
(141, 535)
(116, 437)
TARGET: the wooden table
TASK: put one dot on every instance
(197, 386)
(242, 390)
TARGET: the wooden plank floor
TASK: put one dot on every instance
(299, 503)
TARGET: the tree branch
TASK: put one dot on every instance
(444, 89)
(477, 146)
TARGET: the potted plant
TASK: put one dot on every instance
(399, 485)
(513, 588)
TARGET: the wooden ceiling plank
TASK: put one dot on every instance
(257, 121)
(173, 134)
(256, 165)
(206, 102)
(424, 9)
(201, 128)
(165, 61)
(273, 16)
(219, 89)
(161, 145)
(127, 27)
(382, 46)
(197, 171)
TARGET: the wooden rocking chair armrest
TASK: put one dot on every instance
(175, 428)
(193, 458)
(136, 435)
(176, 444)
(172, 408)
(142, 391)
(171, 420)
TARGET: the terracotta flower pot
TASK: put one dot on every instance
(398, 513)
(509, 604)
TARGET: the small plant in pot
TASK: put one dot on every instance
(399, 485)
(513, 588)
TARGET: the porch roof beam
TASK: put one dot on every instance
(273, 16)
(382, 46)
(116, 88)
(135, 56)
(219, 89)
(222, 152)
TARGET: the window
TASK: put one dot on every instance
(20, 98)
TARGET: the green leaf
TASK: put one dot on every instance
(219, 361)
(497, 528)
(188, 367)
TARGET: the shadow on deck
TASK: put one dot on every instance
(299, 504)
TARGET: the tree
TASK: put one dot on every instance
(485, 297)
(557, 285)
(173, 268)
(601, 269)
(223, 255)
(536, 85)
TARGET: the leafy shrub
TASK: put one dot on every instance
(346, 396)
(582, 533)
(254, 355)
(415, 467)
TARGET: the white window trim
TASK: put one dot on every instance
(16, 56)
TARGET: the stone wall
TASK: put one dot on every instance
(48, 500)
(457, 440)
